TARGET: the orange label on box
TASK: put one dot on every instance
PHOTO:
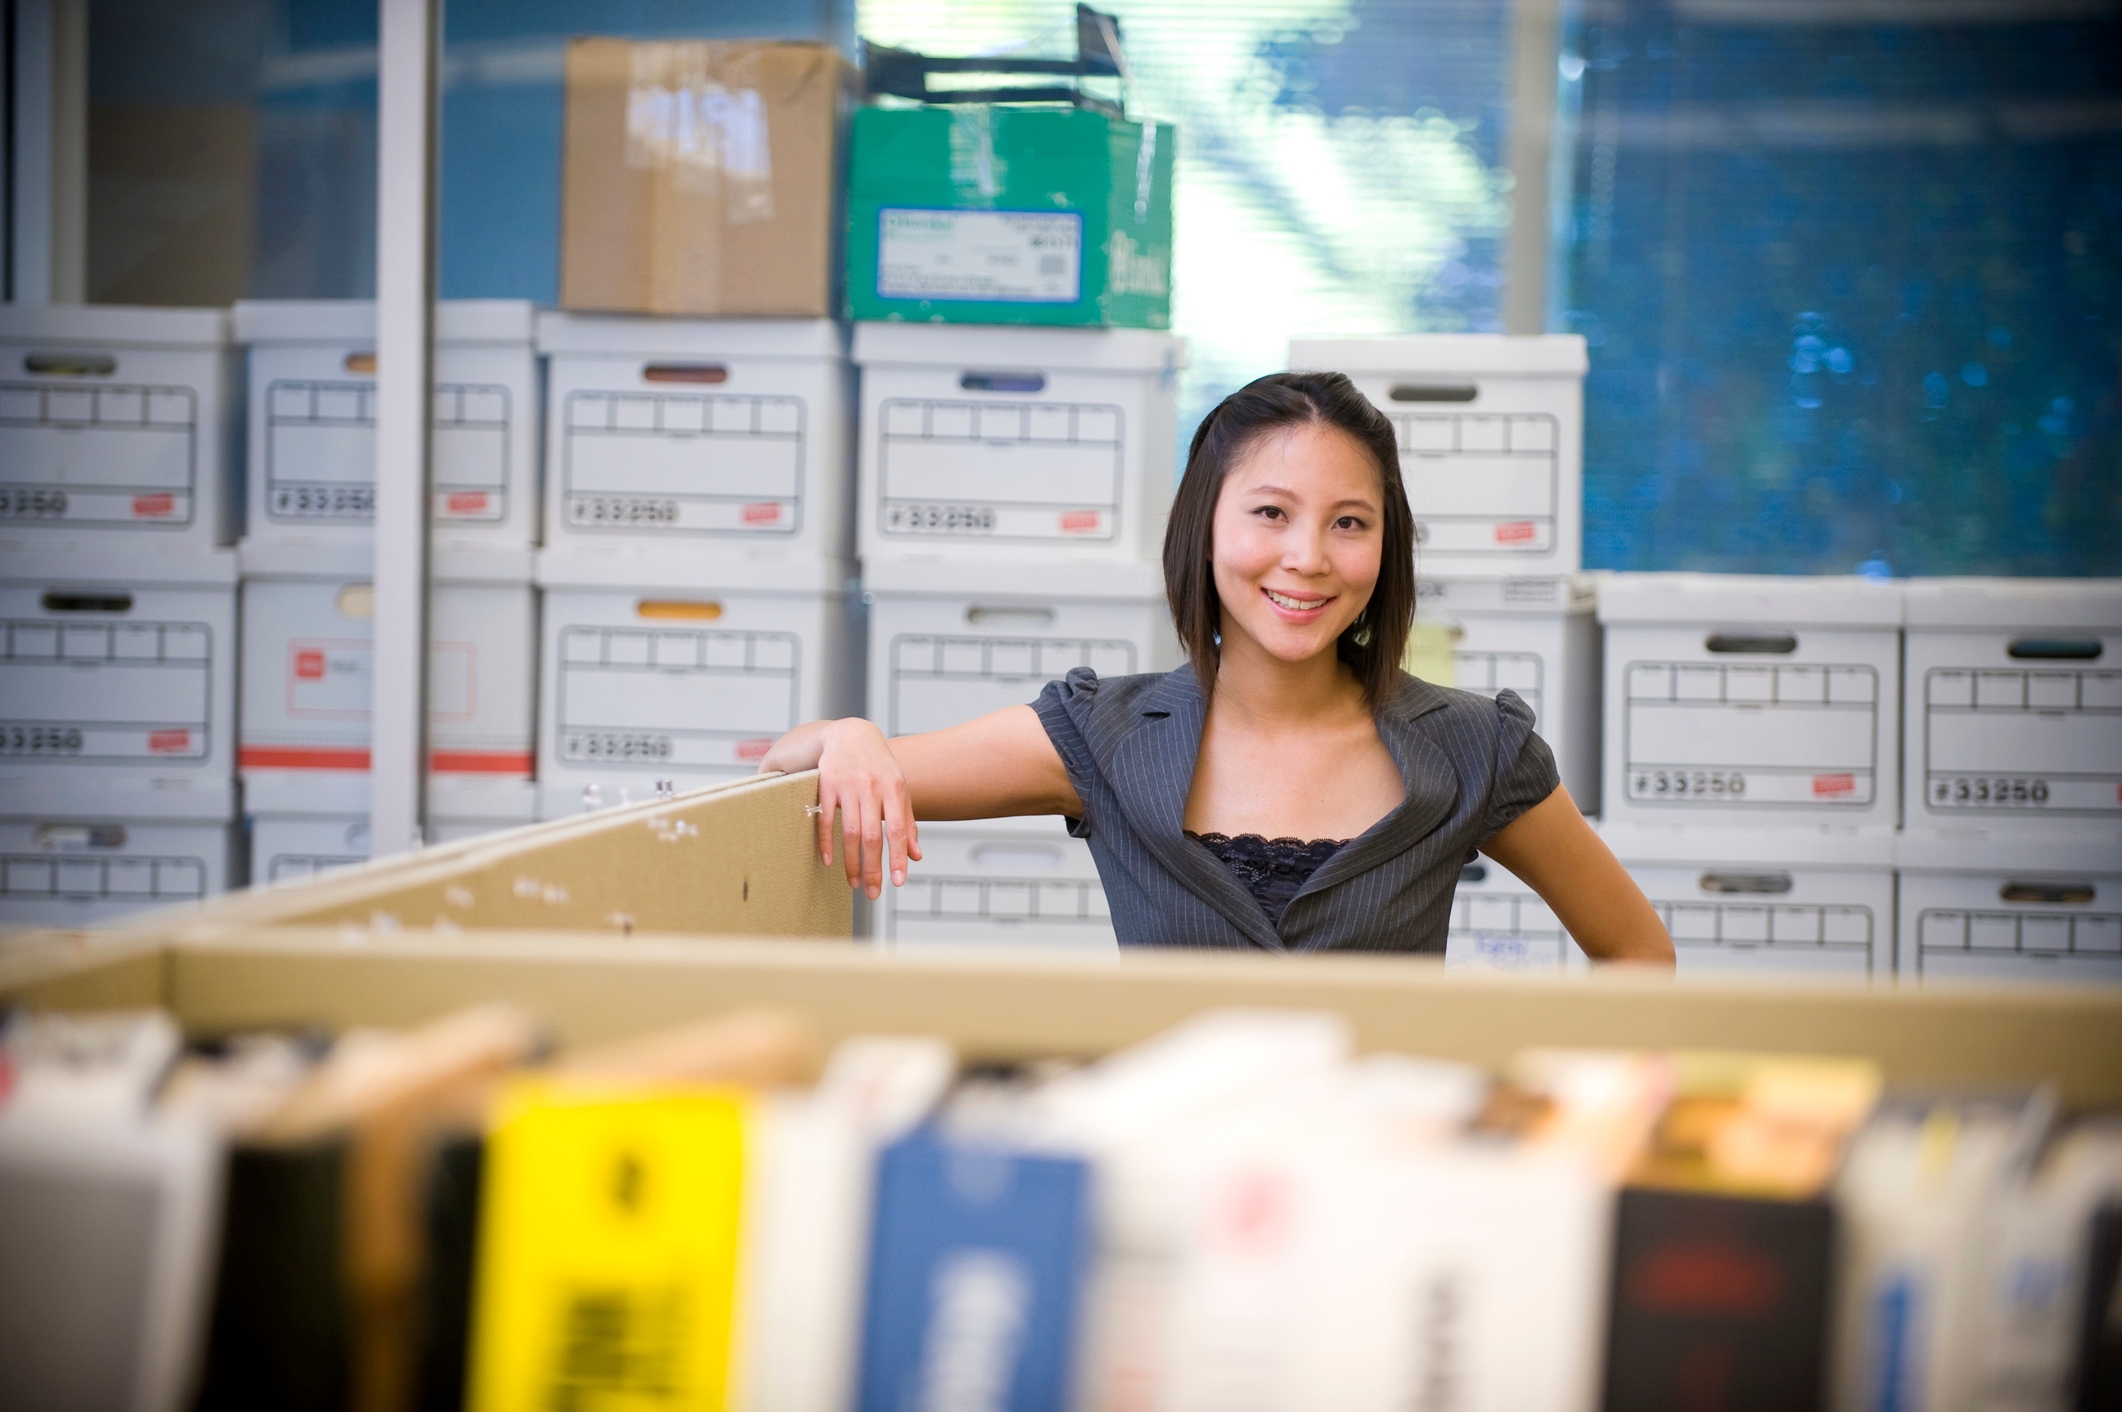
(1080, 522)
(468, 502)
(753, 749)
(1834, 784)
(169, 742)
(764, 513)
(150, 507)
(1516, 532)
(309, 665)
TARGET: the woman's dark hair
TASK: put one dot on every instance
(1374, 644)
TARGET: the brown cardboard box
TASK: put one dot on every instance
(702, 177)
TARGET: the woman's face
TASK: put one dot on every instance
(1299, 535)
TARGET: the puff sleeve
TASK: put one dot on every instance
(1065, 708)
(1524, 769)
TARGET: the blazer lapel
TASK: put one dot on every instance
(1432, 791)
(1152, 773)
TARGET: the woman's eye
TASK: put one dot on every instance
(1272, 512)
(1348, 522)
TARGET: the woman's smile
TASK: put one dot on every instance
(1298, 607)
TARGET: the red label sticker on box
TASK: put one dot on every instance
(1081, 522)
(763, 513)
(754, 749)
(1834, 784)
(154, 507)
(467, 502)
(1516, 532)
(309, 665)
(169, 742)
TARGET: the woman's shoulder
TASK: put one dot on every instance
(1433, 708)
(1106, 709)
(1083, 692)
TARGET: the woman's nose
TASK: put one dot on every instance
(1305, 552)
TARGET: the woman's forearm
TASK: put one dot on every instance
(1554, 851)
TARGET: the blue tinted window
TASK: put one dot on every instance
(1853, 291)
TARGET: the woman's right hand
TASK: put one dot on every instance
(859, 779)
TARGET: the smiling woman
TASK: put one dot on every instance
(1290, 788)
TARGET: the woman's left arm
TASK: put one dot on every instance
(1555, 852)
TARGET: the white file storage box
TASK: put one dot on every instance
(1790, 901)
(1537, 637)
(118, 696)
(1491, 433)
(1742, 699)
(943, 649)
(686, 686)
(2014, 709)
(1014, 443)
(306, 681)
(118, 426)
(695, 436)
(312, 443)
(1498, 923)
(998, 883)
(2011, 905)
(81, 873)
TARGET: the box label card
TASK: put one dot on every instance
(1028, 257)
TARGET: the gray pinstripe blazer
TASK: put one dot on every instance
(1471, 765)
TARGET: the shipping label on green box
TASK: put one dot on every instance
(997, 214)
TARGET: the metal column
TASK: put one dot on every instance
(405, 305)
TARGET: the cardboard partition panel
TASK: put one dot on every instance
(1020, 1005)
(735, 858)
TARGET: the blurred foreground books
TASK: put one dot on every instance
(1242, 1213)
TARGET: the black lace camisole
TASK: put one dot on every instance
(1271, 869)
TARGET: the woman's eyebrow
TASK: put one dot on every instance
(1356, 500)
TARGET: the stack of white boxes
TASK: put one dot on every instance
(1015, 483)
(1491, 435)
(308, 558)
(1753, 764)
(698, 563)
(118, 430)
(2011, 851)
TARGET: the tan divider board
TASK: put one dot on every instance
(594, 988)
(735, 858)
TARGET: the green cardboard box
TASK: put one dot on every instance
(993, 214)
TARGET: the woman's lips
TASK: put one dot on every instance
(1295, 607)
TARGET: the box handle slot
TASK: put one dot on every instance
(678, 610)
(360, 363)
(70, 365)
(66, 838)
(1783, 642)
(57, 602)
(1003, 382)
(1434, 392)
(1771, 883)
(1003, 617)
(1473, 873)
(2070, 894)
(1017, 857)
(686, 372)
(2055, 649)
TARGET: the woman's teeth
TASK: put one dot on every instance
(1295, 605)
